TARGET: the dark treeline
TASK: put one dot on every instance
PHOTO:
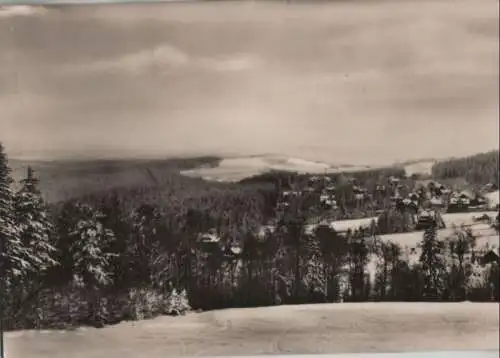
(477, 169)
(64, 180)
(181, 244)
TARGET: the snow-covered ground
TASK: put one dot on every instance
(304, 329)
(486, 238)
(424, 167)
(459, 219)
(450, 219)
(485, 235)
(344, 225)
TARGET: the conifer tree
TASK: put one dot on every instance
(433, 265)
(14, 263)
(90, 252)
(34, 225)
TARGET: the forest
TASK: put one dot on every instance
(179, 244)
(476, 169)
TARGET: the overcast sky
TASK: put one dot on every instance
(359, 82)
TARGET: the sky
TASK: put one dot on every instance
(359, 82)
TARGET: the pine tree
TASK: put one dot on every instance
(91, 256)
(34, 224)
(433, 265)
(14, 263)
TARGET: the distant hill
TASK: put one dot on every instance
(239, 168)
(478, 169)
(62, 180)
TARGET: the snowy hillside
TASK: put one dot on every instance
(234, 169)
(423, 167)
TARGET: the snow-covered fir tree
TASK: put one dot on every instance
(33, 223)
(14, 256)
(89, 250)
(91, 259)
(433, 265)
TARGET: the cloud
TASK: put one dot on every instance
(21, 10)
(359, 88)
(233, 63)
(161, 57)
(165, 58)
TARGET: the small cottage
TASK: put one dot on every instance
(491, 256)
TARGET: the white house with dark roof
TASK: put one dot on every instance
(437, 202)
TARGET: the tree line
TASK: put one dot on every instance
(477, 169)
(133, 253)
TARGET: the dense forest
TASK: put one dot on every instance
(177, 244)
(476, 169)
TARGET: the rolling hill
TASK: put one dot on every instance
(61, 180)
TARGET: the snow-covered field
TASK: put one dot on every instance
(486, 238)
(234, 169)
(344, 225)
(450, 219)
(485, 235)
(424, 167)
(305, 329)
(459, 219)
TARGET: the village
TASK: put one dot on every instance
(427, 202)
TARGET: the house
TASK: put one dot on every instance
(466, 195)
(436, 202)
(460, 201)
(426, 218)
(410, 205)
(491, 256)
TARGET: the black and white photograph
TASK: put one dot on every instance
(249, 178)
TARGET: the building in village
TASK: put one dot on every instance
(460, 202)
